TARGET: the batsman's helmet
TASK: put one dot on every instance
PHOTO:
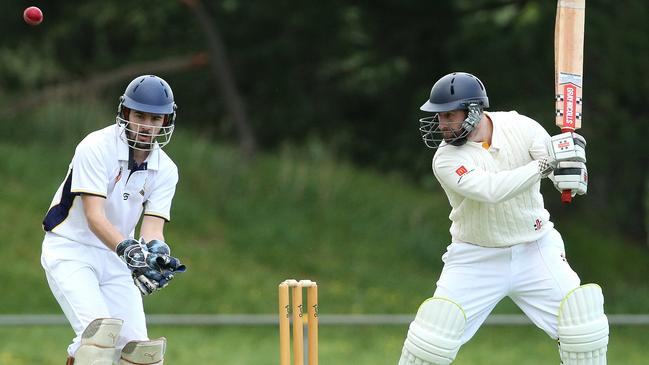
(455, 91)
(149, 94)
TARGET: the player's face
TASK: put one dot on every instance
(144, 127)
(450, 123)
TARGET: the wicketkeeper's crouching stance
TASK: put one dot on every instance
(490, 165)
(118, 175)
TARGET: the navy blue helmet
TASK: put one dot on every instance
(149, 94)
(455, 91)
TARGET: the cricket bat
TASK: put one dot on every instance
(568, 67)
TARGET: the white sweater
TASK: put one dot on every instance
(494, 193)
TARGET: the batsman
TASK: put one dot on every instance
(95, 268)
(503, 243)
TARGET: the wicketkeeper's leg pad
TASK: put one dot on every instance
(98, 342)
(583, 327)
(144, 352)
(434, 337)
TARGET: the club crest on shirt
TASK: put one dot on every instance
(461, 172)
(142, 191)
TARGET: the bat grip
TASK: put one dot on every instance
(566, 195)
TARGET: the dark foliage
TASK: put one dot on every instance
(355, 73)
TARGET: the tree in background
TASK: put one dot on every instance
(354, 74)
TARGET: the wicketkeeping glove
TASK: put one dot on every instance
(160, 259)
(151, 271)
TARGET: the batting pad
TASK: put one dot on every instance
(144, 352)
(434, 336)
(98, 342)
(583, 327)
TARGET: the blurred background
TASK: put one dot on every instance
(299, 157)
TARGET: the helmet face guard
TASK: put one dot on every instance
(433, 136)
(148, 94)
(131, 133)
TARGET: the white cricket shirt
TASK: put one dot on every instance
(494, 193)
(100, 166)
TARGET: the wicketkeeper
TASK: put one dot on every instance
(90, 256)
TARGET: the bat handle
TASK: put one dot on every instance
(566, 195)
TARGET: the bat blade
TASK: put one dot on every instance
(568, 67)
(568, 63)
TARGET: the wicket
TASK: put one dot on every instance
(285, 311)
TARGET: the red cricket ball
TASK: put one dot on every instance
(33, 15)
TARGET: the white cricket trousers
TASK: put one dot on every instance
(90, 283)
(535, 275)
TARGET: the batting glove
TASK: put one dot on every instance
(570, 175)
(568, 146)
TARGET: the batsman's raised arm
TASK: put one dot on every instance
(476, 183)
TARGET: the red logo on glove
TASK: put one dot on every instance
(461, 170)
(564, 144)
